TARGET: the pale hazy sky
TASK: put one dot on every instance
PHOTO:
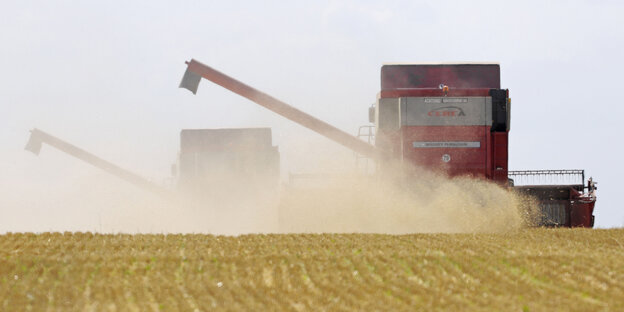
(104, 76)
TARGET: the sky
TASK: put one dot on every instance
(104, 76)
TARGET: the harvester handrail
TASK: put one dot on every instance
(549, 173)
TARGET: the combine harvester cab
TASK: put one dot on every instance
(452, 119)
(448, 118)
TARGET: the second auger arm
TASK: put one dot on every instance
(196, 70)
(38, 137)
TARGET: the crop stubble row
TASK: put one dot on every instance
(536, 269)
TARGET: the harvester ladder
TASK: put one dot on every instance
(363, 163)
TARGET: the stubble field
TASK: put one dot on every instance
(527, 270)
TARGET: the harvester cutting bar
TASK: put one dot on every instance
(574, 176)
(37, 137)
(196, 70)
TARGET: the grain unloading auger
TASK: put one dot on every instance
(196, 70)
(452, 119)
(38, 137)
(204, 155)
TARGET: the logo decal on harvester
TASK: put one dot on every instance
(448, 144)
(447, 111)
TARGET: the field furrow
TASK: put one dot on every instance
(533, 269)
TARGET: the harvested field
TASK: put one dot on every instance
(536, 269)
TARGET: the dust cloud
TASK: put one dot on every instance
(325, 200)
(396, 204)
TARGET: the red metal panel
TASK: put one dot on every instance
(581, 212)
(472, 76)
(499, 157)
(463, 161)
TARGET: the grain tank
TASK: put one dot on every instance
(218, 162)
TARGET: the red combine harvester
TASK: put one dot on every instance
(453, 119)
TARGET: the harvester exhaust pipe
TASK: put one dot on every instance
(38, 137)
(196, 70)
